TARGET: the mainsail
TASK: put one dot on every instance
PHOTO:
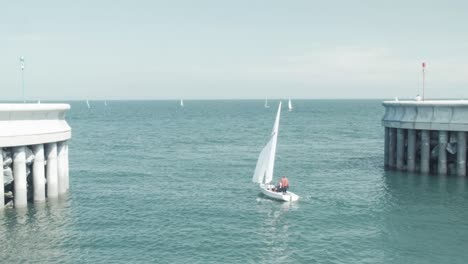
(290, 105)
(266, 160)
(262, 163)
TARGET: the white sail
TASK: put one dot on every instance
(262, 164)
(182, 102)
(266, 159)
(274, 139)
(87, 103)
(105, 103)
(266, 103)
(290, 105)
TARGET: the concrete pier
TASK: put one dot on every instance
(19, 170)
(61, 167)
(29, 134)
(400, 148)
(52, 177)
(2, 190)
(442, 165)
(386, 146)
(391, 147)
(411, 152)
(461, 153)
(67, 178)
(425, 151)
(39, 174)
(411, 126)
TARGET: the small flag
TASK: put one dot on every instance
(424, 65)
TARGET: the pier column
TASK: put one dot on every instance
(442, 165)
(52, 187)
(386, 146)
(461, 153)
(19, 174)
(2, 189)
(61, 168)
(38, 171)
(425, 151)
(411, 151)
(67, 178)
(400, 148)
(391, 147)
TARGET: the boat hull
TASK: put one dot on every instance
(287, 197)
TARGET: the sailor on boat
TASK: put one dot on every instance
(282, 186)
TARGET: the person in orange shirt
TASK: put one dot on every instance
(284, 184)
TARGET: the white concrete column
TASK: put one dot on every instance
(19, 174)
(61, 166)
(425, 151)
(411, 151)
(67, 173)
(386, 147)
(400, 148)
(461, 153)
(38, 171)
(391, 147)
(442, 164)
(2, 189)
(52, 181)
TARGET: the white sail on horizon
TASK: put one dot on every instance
(87, 103)
(182, 102)
(266, 103)
(290, 105)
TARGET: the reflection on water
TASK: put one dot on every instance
(274, 231)
(38, 233)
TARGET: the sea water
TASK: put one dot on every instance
(152, 182)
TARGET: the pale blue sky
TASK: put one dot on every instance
(233, 49)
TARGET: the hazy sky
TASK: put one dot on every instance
(233, 49)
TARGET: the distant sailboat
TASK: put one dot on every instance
(87, 103)
(266, 103)
(266, 163)
(39, 101)
(182, 102)
(290, 105)
(105, 103)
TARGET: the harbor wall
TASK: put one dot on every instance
(33, 153)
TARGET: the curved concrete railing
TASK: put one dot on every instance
(29, 124)
(427, 115)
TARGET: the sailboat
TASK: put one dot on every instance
(266, 162)
(290, 105)
(266, 103)
(87, 103)
(105, 102)
(182, 102)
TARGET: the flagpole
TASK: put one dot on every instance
(424, 78)
(22, 76)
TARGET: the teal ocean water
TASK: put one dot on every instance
(152, 182)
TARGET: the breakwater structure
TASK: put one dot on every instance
(33, 152)
(426, 136)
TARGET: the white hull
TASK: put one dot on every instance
(288, 197)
